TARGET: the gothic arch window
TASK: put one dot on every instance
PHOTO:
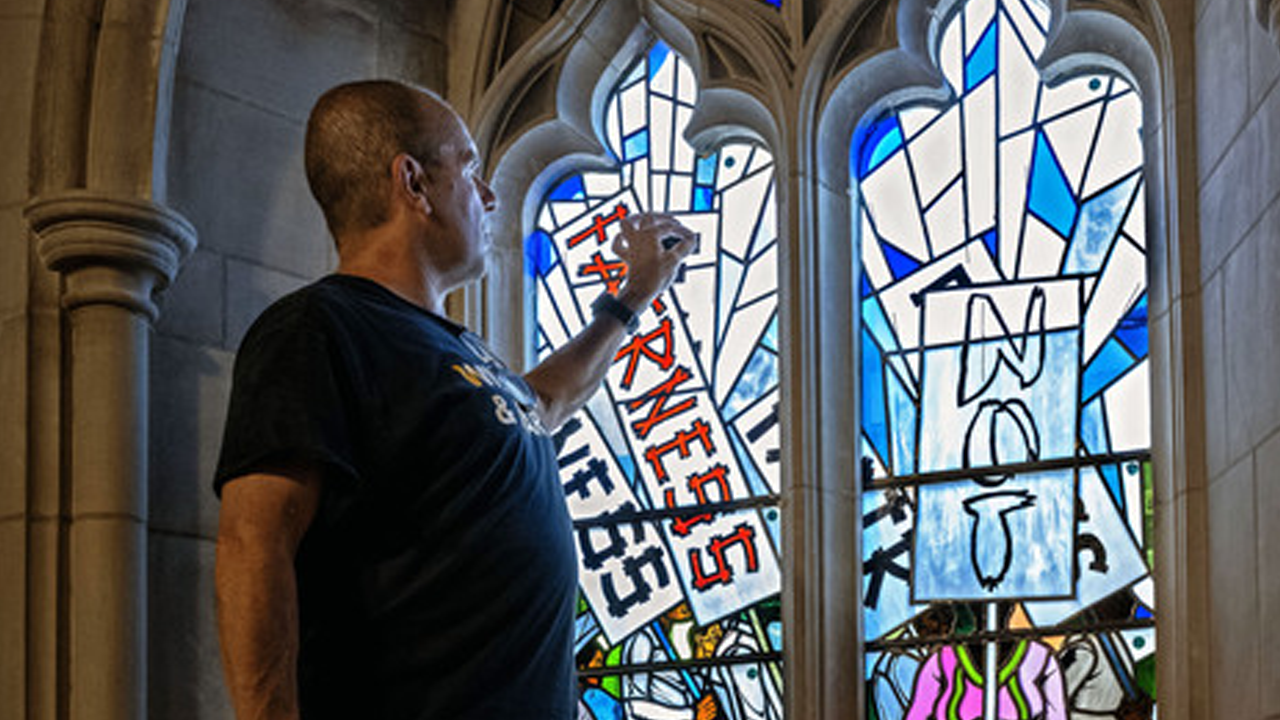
(1007, 492)
(672, 473)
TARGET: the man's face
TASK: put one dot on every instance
(461, 202)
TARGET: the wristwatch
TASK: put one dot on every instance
(615, 308)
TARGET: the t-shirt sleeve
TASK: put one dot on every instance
(288, 400)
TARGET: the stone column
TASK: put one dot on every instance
(113, 254)
(1269, 16)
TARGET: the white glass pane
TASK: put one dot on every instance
(891, 202)
(935, 155)
(661, 119)
(913, 119)
(1071, 137)
(945, 233)
(1070, 94)
(1119, 145)
(1042, 250)
(683, 159)
(1028, 30)
(741, 205)
(980, 154)
(1118, 289)
(1129, 409)
(1015, 164)
(633, 110)
(1019, 82)
(601, 184)
(951, 57)
(977, 15)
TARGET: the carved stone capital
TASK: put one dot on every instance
(1269, 16)
(111, 250)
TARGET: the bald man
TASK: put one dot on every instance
(393, 541)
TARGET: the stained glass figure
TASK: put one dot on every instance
(672, 471)
(1004, 377)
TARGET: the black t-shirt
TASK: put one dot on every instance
(438, 579)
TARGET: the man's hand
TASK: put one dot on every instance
(653, 245)
(567, 378)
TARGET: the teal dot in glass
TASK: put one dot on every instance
(752, 673)
(1139, 642)
(771, 515)
(1094, 84)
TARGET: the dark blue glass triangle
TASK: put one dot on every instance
(1111, 362)
(1049, 196)
(1132, 329)
(657, 55)
(866, 285)
(1111, 475)
(992, 241)
(982, 62)
(1141, 612)
(570, 189)
(900, 263)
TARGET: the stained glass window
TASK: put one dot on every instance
(672, 471)
(1004, 376)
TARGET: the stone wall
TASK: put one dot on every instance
(1238, 154)
(248, 72)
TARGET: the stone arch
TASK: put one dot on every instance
(95, 209)
(882, 53)
(541, 114)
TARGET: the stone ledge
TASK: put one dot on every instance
(114, 250)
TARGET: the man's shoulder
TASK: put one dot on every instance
(314, 307)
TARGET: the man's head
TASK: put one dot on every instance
(377, 147)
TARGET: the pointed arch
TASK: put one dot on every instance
(1128, 40)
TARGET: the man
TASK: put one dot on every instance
(393, 540)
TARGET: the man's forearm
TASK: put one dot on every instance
(567, 378)
(258, 629)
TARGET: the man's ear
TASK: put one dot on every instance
(409, 181)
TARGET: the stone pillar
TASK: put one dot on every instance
(113, 254)
(1269, 16)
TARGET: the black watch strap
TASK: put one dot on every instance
(613, 307)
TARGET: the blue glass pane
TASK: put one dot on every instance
(1111, 362)
(1111, 477)
(874, 422)
(570, 189)
(875, 321)
(1050, 196)
(878, 144)
(657, 55)
(1100, 220)
(900, 263)
(706, 173)
(982, 62)
(865, 283)
(992, 240)
(703, 198)
(539, 254)
(1132, 330)
(635, 146)
(770, 339)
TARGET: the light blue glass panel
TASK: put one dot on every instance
(975, 542)
(635, 146)
(1100, 219)
(1109, 561)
